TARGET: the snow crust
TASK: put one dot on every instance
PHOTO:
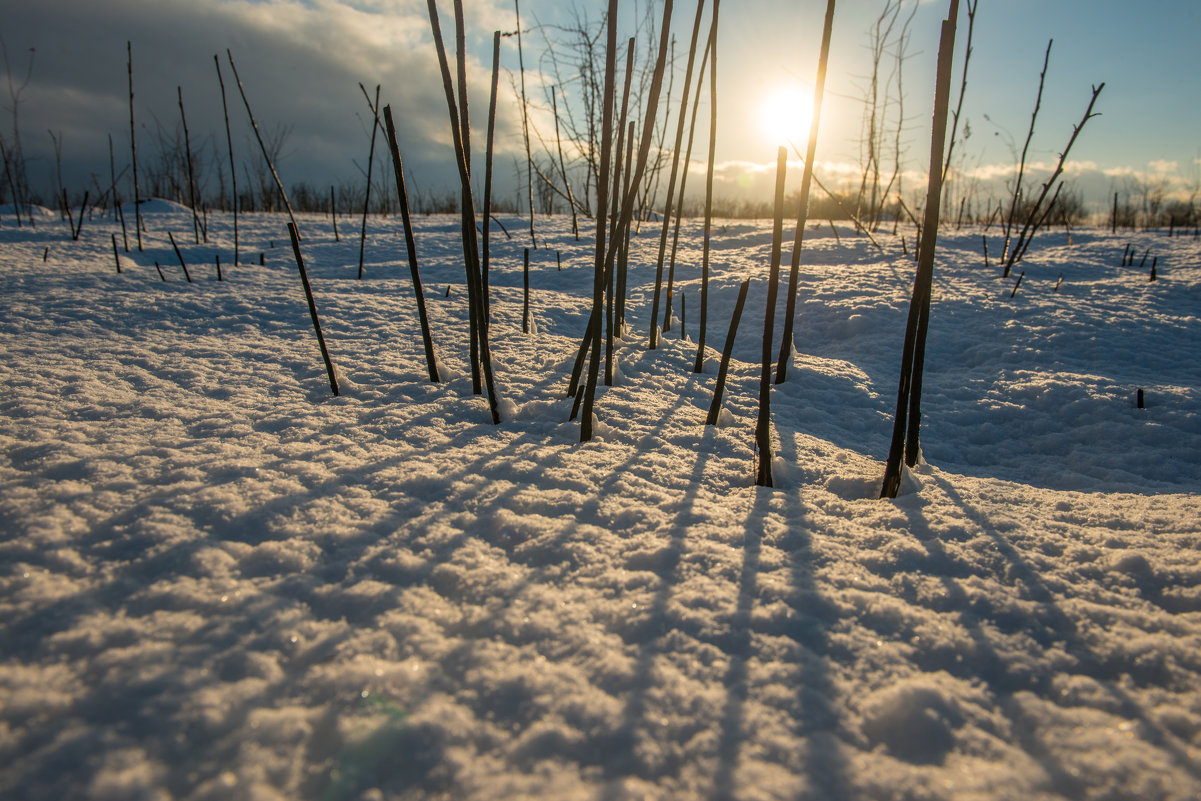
(218, 581)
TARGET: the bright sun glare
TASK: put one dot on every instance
(784, 114)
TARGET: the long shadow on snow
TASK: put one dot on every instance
(1053, 625)
(812, 617)
(622, 759)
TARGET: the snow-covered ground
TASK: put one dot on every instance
(218, 581)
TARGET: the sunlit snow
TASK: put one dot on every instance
(218, 581)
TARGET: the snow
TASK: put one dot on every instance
(218, 581)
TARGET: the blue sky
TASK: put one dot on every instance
(301, 62)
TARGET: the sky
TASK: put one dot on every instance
(301, 62)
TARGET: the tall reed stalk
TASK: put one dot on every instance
(905, 443)
(1016, 197)
(262, 146)
(187, 144)
(486, 264)
(470, 243)
(724, 366)
(525, 126)
(133, 153)
(615, 213)
(308, 294)
(763, 477)
(699, 364)
(602, 203)
(411, 248)
(627, 207)
(671, 181)
(370, 163)
(819, 88)
(675, 240)
(233, 170)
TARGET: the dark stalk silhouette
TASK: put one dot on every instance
(308, 294)
(370, 164)
(187, 144)
(486, 259)
(699, 364)
(525, 125)
(908, 414)
(819, 88)
(1015, 198)
(675, 240)
(724, 366)
(233, 171)
(133, 153)
(262, 146)
(411, 248)
(671, 181)
(470, 243)
(602, 202)
(763, 477)
(179, 256)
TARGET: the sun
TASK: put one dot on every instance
(784, 115)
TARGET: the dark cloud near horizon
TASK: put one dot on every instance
(300, 65)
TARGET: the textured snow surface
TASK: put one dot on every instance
(218, 581)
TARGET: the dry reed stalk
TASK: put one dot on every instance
(1033, 220)
(370, 163)
(308, 294)
(619, 308)
(525, 126)
(967, 58)
(819, 88)
(333, 213)
(671, 181)
(575, 223)
(1017, 189)
(675, 241)
(699, 363)
(602, 202)
(486, 257)
(9, 173)
(905, 444)
(606, 258)
(112, 173)
(763, 477)
(652, 106)
(133, 153)
(179, 256)
(262, 146)
(615, 213)
(1017, 284)
(125, 237)
(476, 321)
(187, 144)
(525, 293)
(470, 243)
(724, 366)
(233, 171)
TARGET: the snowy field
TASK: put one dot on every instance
(218, 581)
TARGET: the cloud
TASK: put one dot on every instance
(754, 181)
(300, 63)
